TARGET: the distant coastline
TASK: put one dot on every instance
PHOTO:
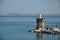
(29, 15)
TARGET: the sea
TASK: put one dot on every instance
(17, 27)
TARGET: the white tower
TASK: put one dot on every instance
(40, 16)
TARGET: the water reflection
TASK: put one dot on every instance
(40, 36)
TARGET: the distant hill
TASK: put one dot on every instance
(16, 14)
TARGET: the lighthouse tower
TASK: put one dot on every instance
(40, 22)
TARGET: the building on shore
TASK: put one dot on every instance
(40, 22)
(41, 29)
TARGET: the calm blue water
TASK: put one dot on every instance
(16, 28)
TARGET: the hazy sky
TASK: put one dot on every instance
(29, 6)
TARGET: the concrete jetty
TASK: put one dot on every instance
(40, 27)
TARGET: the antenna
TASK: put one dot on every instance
(40, 16)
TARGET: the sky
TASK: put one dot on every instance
(29, 7)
